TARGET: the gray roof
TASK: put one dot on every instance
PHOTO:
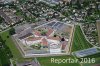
(18, 29)
(25, 33)
(86, 52)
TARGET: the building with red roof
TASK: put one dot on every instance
(45, 39)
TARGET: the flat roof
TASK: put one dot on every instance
(86, 52)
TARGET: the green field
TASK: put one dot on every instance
(79, 41)
(97, 60)
(46, 61)
(8, 41)
(0, 63)
(4, 59)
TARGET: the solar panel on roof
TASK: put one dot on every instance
(56, 24)
(51, 24)
(60, 25)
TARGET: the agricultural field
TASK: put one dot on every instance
(79, 41)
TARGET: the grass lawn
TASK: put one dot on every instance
(97, 60)
(19, 13)
(4, 59)
(46, 61)
(11, 45)
(79, 41)
(0, 63)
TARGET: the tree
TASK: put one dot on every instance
(5, 53)
(43, 32)
(78, 4)
(12, 31)
(1, 20)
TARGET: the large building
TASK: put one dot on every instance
(44, 40)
